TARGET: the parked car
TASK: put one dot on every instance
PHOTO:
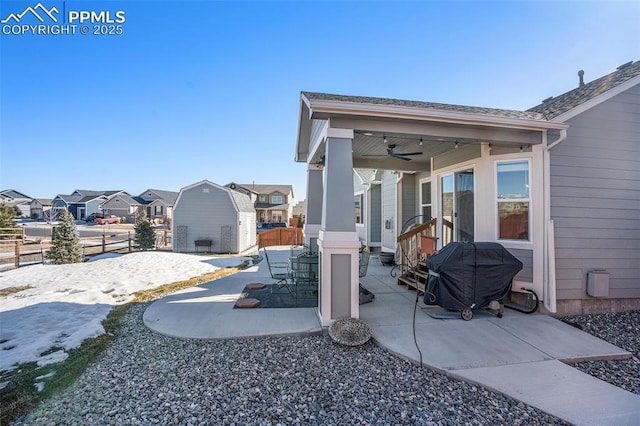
(106, 220)
(93, 216)
(270, 225)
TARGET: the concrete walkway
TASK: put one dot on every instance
(518, 355)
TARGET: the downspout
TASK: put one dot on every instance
(550, 295)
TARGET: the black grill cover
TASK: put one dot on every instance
(471, 275)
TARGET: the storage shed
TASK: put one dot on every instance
(212, 218)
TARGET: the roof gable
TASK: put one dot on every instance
(596, 90)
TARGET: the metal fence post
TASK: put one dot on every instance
(104, 243)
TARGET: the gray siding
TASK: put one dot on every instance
(375, 214)
(595, 198)
(388, 209)
(526, 257)
(204, 214)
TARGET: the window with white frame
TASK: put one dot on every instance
(358, 200)
(277, 199)
(262, 198)
(425, 201)
(513, 199)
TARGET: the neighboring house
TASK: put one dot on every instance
(155, 203)
(39, 208)
(124, 205)
(299, 209)
(273, 203)
(159, 203)
(206, 213)
(81, 203)
(556, 185)
(13, 198)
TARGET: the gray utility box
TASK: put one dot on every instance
(598, 283)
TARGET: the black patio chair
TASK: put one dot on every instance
(363, 265)
(279, 272)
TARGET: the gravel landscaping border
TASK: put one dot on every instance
(145, 378)
(621, 329)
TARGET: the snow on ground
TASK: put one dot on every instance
(68, 303)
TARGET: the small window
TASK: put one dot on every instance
(425, 201)
(205, 190)
(513, 199)
(262, 198)
(358, 199)
(276, 199)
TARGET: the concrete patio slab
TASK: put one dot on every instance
(560, 340)
(452, 344)
(206, 312)
(560, 390)
(516, 355)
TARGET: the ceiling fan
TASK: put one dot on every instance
(392, 153)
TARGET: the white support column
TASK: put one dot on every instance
(338, 239)
(313, 213)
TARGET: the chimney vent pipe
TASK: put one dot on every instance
(581, 75)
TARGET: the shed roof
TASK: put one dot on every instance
(555, 106)
(242, 201)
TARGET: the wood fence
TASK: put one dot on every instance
(280, 237)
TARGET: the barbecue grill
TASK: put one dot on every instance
(469, 276)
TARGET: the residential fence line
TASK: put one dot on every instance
(19, 252)
(280, 237)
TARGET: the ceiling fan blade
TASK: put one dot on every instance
(408, 153)
(400, 157)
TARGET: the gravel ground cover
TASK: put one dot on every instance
(144, 379)
(621, 329)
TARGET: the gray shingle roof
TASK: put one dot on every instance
(558, 105)
(242, 201)
(425, 105)
(12, 193)
(169, 197)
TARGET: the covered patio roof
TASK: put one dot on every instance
(432, 129)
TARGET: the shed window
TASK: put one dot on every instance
(513, 200)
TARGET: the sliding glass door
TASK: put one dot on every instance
(457, 201)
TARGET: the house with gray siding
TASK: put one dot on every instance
(595, 192)
(557, 185)
(82, 202)
(214, 218)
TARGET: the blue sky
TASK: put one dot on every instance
(198, 90)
